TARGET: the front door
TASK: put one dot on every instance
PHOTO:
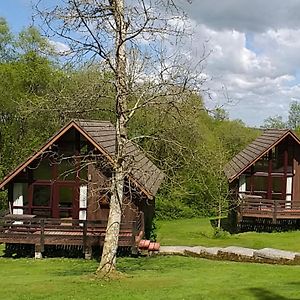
(64, 201)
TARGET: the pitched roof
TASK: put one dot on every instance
(102, 135)
(143, 169)
(255, 150)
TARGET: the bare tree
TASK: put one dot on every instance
(137, 43)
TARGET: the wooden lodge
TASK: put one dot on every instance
(60, 195)
(265, 182)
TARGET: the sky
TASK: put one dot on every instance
(255, 60)
(253, 69)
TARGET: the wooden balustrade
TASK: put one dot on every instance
(26, 229)
(269, 208)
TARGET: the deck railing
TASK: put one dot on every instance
(254, 206)
(40, 231)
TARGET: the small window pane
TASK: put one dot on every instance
(277, 184)
(84, 173)
(66, 170)
(43, 171)
(65, 196)
(41, 195)
(248, 183)
(260, 183)
(262, 165)
(20, 194)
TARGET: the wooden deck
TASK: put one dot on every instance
(41, 232)
(270, 209)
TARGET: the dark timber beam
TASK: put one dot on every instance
(269, 194)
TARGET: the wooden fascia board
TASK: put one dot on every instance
(232, 178)
(144, 190)
(93, 142)
(294, 136)
(35, 155)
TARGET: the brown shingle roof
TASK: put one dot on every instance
(254, 151)
(142, 169)
(102, 135)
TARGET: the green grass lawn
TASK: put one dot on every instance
(147, 278)
(161, 277)
(192, 232)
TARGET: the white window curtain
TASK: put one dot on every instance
(82, 202)
(18, 197)
(289, 185)
(242, 185)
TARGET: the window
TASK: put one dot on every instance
(248, 183)
(20, 194)
(43, 170)
(65, 196)
(277, 184)
(41, 195)
(262, 165)
(65, 201)
(20, 199)
(84, 173)
(260, 183)
(67, 169)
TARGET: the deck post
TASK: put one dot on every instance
(239, 217)
(270, 179)
(275, 211)
(88, 253)
(84, 236)
(42, 237)
(39, 248)
(134, 248)
(38, 252)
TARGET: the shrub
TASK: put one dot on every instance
(167, 209)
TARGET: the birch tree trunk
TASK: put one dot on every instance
(108, 259)
(134, 41)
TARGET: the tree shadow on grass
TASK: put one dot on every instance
(263, 294)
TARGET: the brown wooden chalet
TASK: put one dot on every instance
(265, 180)
(60, 195)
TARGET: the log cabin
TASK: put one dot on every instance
(60, 195)
(264, 180)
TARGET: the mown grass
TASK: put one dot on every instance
(147, 278)
(168, 277)
(192, 232)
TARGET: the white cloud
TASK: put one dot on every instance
(59, 47)
(255, 54)
(259, 80)
(244, 15)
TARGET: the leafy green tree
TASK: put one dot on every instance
(274, 122)
(294, 115)
(25, 79)
(233, 135)
(220, 114)
(6, 41)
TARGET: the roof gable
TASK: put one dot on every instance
(255, 150)
(101, 134)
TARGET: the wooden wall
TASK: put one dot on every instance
(98, 195)
(97, 206)
(296, 178)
